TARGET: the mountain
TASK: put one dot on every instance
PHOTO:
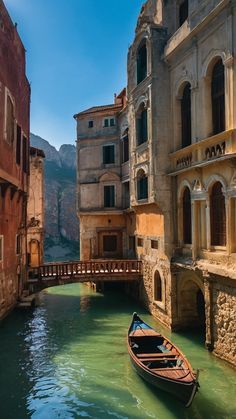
(61, 221)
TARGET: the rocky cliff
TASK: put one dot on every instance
(61, 222)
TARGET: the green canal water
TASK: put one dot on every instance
(68, 359)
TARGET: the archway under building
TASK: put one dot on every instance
(191, 305)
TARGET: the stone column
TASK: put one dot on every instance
(208, 295)
(194, 229)
(208, 224)
(228, 224)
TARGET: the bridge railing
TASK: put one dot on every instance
(90, 268)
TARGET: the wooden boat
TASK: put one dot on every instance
(160, 362)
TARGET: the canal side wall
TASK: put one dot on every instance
(224, 318)
(14, 169)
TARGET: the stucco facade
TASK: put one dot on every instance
(14, 167)
(99, 181)
(35, 208)
(181, 170)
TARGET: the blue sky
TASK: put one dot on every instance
(76, 57)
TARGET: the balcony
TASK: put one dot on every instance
(213, 149)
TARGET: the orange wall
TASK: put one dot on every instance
(149, 221)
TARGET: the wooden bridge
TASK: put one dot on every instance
(53, 274)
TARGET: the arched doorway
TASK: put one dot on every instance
(191, 305)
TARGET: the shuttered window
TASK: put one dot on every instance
(108, 154)
(141, 63)
(187, 217)
(142, 184)
(218, 97)
(218, 216)
(25, 155)
(109, 196)
(18, 145)
(10, 121)
(142, 127)
(186, 116)
(110, 243)
(125, 149)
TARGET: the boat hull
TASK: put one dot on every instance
(159, 362)
(184, 392)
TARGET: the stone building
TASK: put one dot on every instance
(35, 208)
(181, 166)
(100, 210)
(14, 167)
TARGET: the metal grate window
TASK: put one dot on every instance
(218, 216)
(218, 97)
(186, 116)
(187, 217)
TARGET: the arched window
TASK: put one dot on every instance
(186, 116)
(218, 97)
(187, 217)
(141, 63)
(157, 287)
(141, 125)
(142, 185)
(218, 216)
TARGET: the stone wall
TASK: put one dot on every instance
(224, 320)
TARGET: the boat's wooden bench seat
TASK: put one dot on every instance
(156, 355)
(164, 358)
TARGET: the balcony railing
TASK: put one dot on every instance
(204, 151)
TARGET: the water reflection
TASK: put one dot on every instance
(68, 359)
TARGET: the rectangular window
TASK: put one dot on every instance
(1, 248)
(125, 149)
(143, 188)
(110, 243)
(142, 127)
(109, 122)
(90, 124)
(140, 242)
(108, 154)
(18, 144)
(183, 12)
(154, 244)
(109, 196)
(132, 243)
(126, 195)
(25, 155)
(10, 121)
(18, 244)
